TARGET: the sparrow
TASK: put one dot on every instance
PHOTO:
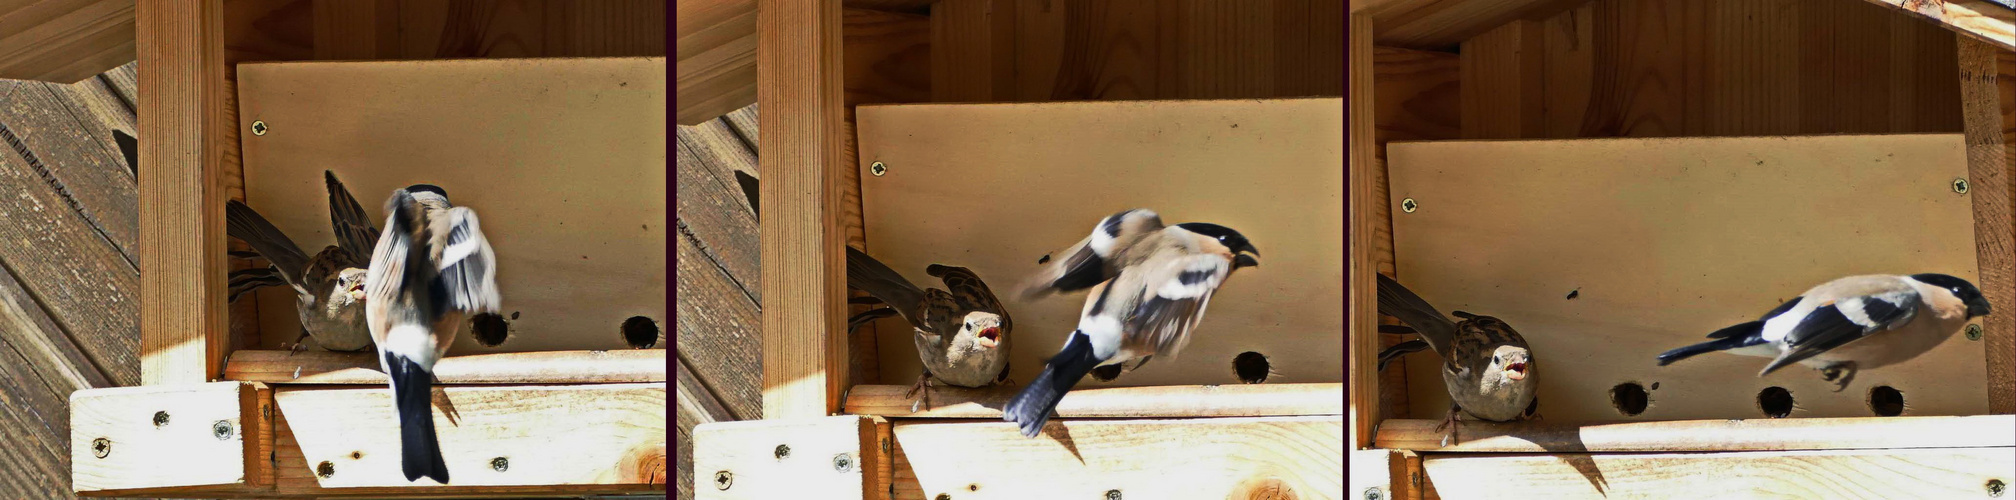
(329, 287)
(961, 332)
(1852, 323)
(432, 268)
(1487, 366)
(1147, 287)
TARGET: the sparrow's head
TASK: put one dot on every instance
(982, 330)
(1977, 305)
(1243, 253)
(1511, 363)
(350, 284)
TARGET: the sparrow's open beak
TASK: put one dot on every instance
(989, 338)
(357, 293)
(1515, 371)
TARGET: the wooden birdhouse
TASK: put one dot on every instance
(544, 117)
(985, 134)
(1617, 178)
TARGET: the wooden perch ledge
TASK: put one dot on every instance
(1139, 402)
(1980, 431)
(552, 367)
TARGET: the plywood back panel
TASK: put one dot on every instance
(564, 160)
(1669, 239)
(993, 187)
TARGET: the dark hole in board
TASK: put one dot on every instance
(490, 329)
(514, 315)
(356, 455)
(1655, 386)
(1251, 367)
(1775, 401)
(944, 496)
(1886, 401)
(640, 332)
(1629, 398)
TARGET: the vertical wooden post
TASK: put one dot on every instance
(1363, 310)
(804, 283)
(1989, 172)
(183, 335)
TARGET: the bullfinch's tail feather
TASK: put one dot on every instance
(419, 447)
(1399, 302)
(1031, 408)
(1734, 337)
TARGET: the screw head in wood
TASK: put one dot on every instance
(1995, 488)
(500, 464)
(160, 418)
(783, 451)
(258, 127)
(1960, 185)
(1409, 205)
(1112, 494)
(221, 429)
(325, 469)
(1973, 332)
(723, 479)
(843, 462)
(1374, 493)
(101, 447)
(878, 169)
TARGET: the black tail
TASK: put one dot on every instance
(247, 225)
(877, 279)
(1741, 335)
(1399, 302)
(1032, 407)
(1398, 350)
(419, 448)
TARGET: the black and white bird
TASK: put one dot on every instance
(432, 269)
(1148, 285)
(329, 287)
(1852, 323)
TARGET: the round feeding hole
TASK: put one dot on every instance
(1886, 401)
(1251, 367)
(1775, 401)
(490, 329)
(640, 332)
(1629, 398)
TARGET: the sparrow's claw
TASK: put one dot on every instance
(299, 344)
(923, 385)
(1449, 422)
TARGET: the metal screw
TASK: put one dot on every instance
(723, 479)
(843, 462)
(877, 168)
(1408, 205)
(1960, 185)
(1973, 332)
(501, 464)
(325, 469)
(1112, 494)
(258, 127)
(1374, 493)
(783, 451)
(101, 447)
(221, 429)
(160, 418)
(1995, 488)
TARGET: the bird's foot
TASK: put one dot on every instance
(1449, 422)
(299, 344)
(924, 386)
(1844, 370)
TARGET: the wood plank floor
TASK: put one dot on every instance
(719, 372)
(69, 282)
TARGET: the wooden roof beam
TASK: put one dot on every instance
(1442, 24)
(64, 41)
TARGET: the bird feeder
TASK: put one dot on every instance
(987, 133)
(1616, 178)
(544, 117)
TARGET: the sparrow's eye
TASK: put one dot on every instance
(1496, 360)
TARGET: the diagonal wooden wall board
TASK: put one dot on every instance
(993, 187)
(563, 159)
(1669, 239)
